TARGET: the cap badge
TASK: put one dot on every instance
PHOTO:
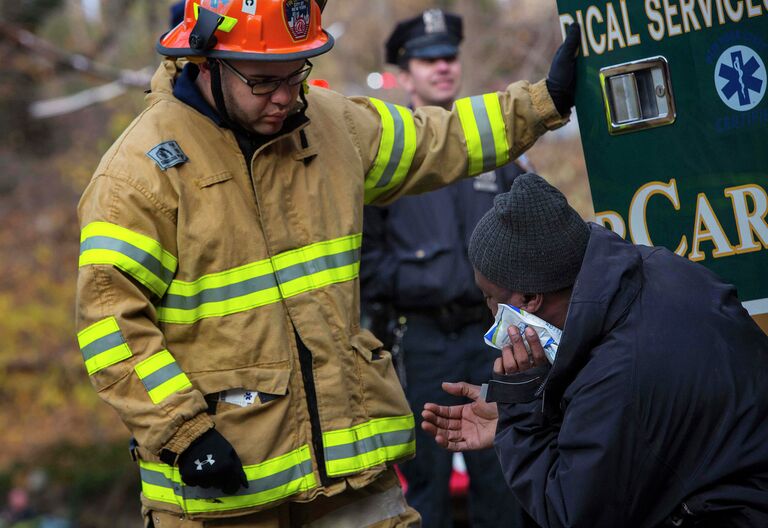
(434, 21)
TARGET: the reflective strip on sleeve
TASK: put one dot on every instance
(232, 291)
(397, 147)
(139, 256)
(369, 444)
(486, 135)
(269, 481)
(161, 376)
(102, 345)
(318, 265)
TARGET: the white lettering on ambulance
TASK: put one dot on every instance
(734, 14)
(670, 11)
(632, 38)
(613, 221)
(753, 10)
(614, 28)
(638, 226)
(656, 25)
(598, 46)
(688, 13)
(750, 222)
(706, 226)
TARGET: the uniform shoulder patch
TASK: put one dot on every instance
(168, 154)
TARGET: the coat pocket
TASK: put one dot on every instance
(384, 397)
(241, 388)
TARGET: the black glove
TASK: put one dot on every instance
(561, 80)
(211, 461)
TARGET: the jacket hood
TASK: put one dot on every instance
(608, 282)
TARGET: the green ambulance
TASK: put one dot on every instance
(673, 115)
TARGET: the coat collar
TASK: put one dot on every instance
(609, 281)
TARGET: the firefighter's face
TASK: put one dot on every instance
(432, 81)
(262, 114)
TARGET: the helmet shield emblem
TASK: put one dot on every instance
(297, 17)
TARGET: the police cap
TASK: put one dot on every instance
(431, 35)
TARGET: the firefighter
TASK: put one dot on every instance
(415, 271)
(217, 305)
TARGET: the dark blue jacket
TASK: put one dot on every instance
(658, 396)
(415, 250)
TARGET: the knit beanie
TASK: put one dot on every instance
(531, 241)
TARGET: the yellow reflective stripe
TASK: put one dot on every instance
(264, 282)
(499, 129)
(397, 148)
(471, 135)
(317, 265)
(226, 25)
(366, 445)
(102, 345)
(227, 292)
(485, 132)
(268, 481)
(161, 376)
(138, 255)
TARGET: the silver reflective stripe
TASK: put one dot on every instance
(160, 376)
(140, 256)
(366, 445)
(305, 269)
(259, 485)
(222, 293)
(486, 132)
(102, 344)
(397, 148)
(158, 479)
(373, 509)
(254, 486)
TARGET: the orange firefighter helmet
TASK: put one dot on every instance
(261, 30)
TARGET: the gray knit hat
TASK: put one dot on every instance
(531, 241)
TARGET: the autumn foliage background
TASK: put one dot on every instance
(58, 441)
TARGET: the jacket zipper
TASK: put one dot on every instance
(305, 355)
(305, 361)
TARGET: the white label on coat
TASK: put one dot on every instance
(241, 397)
(249, 7)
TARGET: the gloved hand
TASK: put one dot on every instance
(211, 461)
(561, 80)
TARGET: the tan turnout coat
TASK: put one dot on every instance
(195, 278)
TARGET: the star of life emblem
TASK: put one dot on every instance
(209, 460)
(740, 78)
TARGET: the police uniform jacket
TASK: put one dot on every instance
(415, 250)
(203, 272)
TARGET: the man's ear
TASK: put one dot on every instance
(532, 302)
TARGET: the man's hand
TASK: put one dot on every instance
(461, 427)
(515, 357)
(211, 461)
(561, 80)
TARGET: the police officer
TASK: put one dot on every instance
(415, 264)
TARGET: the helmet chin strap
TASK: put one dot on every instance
(218, 97)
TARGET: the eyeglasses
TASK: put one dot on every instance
(271, 86)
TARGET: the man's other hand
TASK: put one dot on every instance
(461, 427)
